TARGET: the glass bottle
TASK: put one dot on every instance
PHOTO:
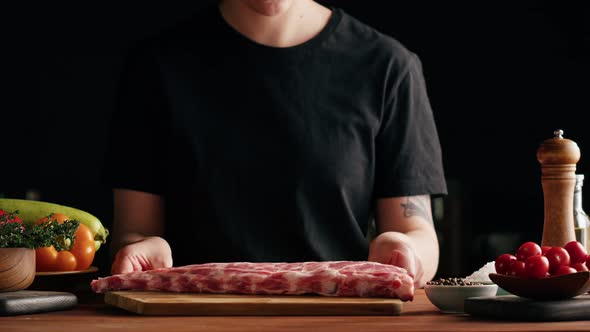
(581, 220)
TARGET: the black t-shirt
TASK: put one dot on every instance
(273, 154)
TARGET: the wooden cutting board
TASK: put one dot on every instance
(162, 303)
(511, 307)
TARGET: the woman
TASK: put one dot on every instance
(274, 131)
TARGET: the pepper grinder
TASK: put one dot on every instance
(558, 157)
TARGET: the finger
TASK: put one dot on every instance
(120, 266)
(123, 264)
(380, 250)
(163, 261)
(379, 256)
(403, 258)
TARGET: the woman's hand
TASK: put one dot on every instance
(407, 236)
(396, 249)
(147, 254)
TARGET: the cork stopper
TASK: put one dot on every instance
(558, 150)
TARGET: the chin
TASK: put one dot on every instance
(268, 7)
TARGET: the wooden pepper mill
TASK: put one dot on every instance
(558, 157)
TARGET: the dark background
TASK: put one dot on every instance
(502, 77)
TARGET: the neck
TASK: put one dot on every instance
(296, 25)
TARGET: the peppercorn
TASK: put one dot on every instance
(452, 282)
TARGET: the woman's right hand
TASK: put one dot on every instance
(147, 254)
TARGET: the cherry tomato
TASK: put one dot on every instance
(527, 250)
(59, 217)
(83, 248)
(65, 261)
(45, 258)
(564, 270)
(537, 266)
(580, 267)
(557, 257)
(517, 268)
(577, 252)
(544, 249)
(48, 259)
(503, 262)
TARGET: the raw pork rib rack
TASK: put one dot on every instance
(339, 278)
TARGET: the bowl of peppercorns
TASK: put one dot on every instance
(449, 294)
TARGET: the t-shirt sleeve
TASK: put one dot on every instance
(408, 151)
(134, 155)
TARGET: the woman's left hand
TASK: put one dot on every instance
(396, 249)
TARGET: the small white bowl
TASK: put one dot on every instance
(450, 298)
(500, 291)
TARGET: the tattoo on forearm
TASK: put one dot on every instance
(417, 206)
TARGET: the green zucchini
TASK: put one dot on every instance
(30, 211)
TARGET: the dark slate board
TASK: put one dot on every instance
(30, 302)
(511, 307)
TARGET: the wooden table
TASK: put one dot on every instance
(419, 315)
